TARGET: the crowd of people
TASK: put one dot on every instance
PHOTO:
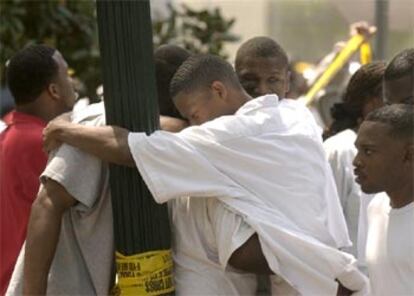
(257, 200)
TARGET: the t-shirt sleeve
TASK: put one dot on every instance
(172, 167)
(79, 173)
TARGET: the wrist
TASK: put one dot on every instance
(63, 132)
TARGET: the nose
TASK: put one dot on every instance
(357, 161)
(261, 88)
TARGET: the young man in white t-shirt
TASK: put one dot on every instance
(385, 162)
(250, 155)
(262, 66)
(363, 94)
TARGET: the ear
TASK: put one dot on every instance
(359, 121)
(219, 89)
(409, 153)
(53, 90)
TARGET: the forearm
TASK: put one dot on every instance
(108, 143)
(172, 124)
(43, 234)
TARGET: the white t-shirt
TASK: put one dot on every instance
(198, 234)
(3, 125)
(83, 261)
(341, 152)
(267, 164)
(390, 248)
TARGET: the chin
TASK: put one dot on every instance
(370, 189)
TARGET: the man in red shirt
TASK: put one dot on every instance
(38, 80)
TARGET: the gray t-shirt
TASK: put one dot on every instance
(83, 262)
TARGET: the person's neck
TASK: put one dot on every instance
(402, 196)
(36, 109)
(244, 96)
(239, 98)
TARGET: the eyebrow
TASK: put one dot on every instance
(364, 144)
(251, 74)
(247, 74)
(277, 72)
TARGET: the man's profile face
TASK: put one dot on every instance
(399, 90)
(260, 76)
(201, 106)
(64, 81)
(378, 163)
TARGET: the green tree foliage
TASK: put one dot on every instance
(199, 31)
(70, 26)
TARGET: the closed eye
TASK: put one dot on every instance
(273, 80)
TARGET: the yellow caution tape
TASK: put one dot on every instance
(344, 55)
(149, 273)
(365, 53)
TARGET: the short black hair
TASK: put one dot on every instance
(30, 71)
(399, 117)
(364, 85)
(262, 47)
(200, 71)
(401, 65)
(168, 58)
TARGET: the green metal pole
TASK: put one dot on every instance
(142, 233)
(381, 22)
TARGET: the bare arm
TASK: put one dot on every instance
(342, 291)
(249, 257)
(109, 143)
(43, 235)
(172, 124)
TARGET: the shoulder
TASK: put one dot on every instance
(296, 119)
(341, 143)
(219, 130)
(93, 114)
(70, 162)
(379, 204)
(23, 140)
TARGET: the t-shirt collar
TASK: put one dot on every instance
(20, 117)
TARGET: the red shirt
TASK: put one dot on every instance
(21, 163)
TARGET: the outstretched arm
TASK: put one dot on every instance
(109, 143)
